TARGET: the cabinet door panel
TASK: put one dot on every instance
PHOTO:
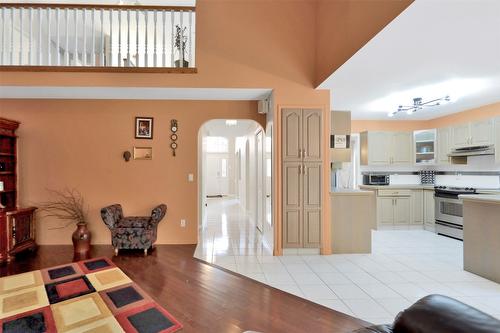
(379, 148)
(443, 143)
(292, 134)
(292, 204)
(460, 135)
(402, 211)
(312, 228)
(312, 134)
(417, 207)
(385, 211)
(402, 148)
(482, 132)
(429, 207)
(312, 185)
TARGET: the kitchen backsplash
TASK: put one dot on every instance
(459, 180)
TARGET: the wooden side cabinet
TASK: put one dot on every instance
(17, 232)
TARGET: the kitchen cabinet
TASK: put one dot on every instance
(443, 145)
(497, 139)
(417, 207)
(302, 177)
(478, 133)
(386, 148)
(394, 208)
(425, 146)
(429, 207)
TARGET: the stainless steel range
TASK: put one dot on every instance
(449, 210)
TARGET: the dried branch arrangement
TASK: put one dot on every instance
(67, 205)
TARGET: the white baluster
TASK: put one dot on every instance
(66, 49)
(137, 38)
(20, 36)
(49, 55)
(128, 38)
(146, 53)
(31, 36)
(57, 36)
(93, 38)
(12, 36)
(181, 51)
(84, 52)
(173, 38)
(155, 41)
(164, 51)
(102, 37)
(119, 38)
(39, 36)
(190, 37)
(75, 56)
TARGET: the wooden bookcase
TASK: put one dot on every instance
(17, 225)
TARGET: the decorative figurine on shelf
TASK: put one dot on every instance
(173, 136)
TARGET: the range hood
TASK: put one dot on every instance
(473, 151)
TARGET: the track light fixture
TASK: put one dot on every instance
(419, 104)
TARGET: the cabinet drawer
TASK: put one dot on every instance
(394, 193)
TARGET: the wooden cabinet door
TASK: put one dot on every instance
(402, 148)
(429, 205)
(482, 132)
(292, 134)
(292, 205)
(402, 210)
(312, 135)
(385, 211)
(460, 135)
(379, 151)
(312, 204)
(443, 145)
(417, 207)
(497, 139)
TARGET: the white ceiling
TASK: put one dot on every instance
(218, 127)
(23, 92)
(434, 48)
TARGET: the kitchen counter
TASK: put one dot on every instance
(347, 191)
(481, 230)
(398, 187)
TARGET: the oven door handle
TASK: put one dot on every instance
(449, 225)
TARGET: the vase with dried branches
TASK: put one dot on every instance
(68, 205)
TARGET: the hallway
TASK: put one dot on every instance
(229, 233)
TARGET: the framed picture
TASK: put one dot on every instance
(339, 141)
(143, 153)
(143, 128)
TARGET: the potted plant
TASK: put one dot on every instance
(68, 205)
(180, 44)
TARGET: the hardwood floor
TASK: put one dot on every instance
(202, 297)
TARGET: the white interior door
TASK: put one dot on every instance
(217, 175)
(260, 180)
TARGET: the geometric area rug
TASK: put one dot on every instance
(92, 296)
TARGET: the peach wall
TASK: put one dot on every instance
(487, 111)
(344, 26)
(79, 144)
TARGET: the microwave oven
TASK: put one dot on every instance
(374, 179)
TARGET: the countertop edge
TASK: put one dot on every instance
(481, 198)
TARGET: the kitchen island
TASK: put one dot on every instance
(353, 216)
(482, 235)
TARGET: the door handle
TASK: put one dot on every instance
(300, 169)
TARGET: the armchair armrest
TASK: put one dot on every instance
(111, 215)
(158, 213)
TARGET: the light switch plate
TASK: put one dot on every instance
(190, 177)
(183, 223)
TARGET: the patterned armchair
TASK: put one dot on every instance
(134, 232)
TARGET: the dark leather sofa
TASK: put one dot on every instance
(439, 314)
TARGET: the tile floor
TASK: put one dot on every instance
(403, 267)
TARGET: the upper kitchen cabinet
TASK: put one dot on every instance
(443, 145)
(479, 133)
(312, 141)
(386, 148)
(497, 139)
(425, 146)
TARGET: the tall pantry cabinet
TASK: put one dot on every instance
(302, 177)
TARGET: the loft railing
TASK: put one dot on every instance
(97, 37)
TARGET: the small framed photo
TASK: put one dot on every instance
(339, 141)
(143, 153)
(143, 128)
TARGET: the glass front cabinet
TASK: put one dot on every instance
(425, 146)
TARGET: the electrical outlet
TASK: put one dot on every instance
(183, 223)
